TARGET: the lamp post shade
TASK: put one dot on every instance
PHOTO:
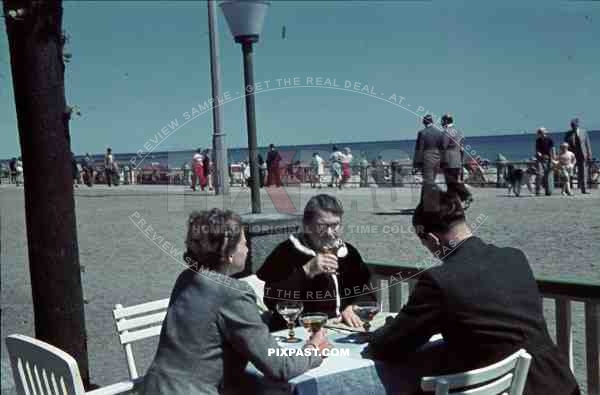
(245, 18)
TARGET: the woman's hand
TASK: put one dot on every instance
(319, 341)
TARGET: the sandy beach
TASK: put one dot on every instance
(121, 265)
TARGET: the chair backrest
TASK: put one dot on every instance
(138, 322)
(505, 377)
(42, 369)
(143, 321)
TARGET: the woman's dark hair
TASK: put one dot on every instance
(322, 202)
(446, 213)
(211, 237)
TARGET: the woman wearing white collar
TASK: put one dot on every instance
(317, 267)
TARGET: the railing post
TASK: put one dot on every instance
(592, 346)
(564, 329)
(378, 281)
(395, 291)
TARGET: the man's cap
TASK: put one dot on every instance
(428, 118)
(575, 122)
(447, 118)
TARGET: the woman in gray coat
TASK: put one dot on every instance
(213, 327)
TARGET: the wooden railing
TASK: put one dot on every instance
(563, 291)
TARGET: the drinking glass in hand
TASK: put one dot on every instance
(366, 311)
(290, 312)
(313, 322)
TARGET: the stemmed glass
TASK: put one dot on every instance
(366, 311)
(290, 311)
(313, 322)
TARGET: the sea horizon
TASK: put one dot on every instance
(513, 146)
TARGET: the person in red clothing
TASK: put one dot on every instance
(198, 170)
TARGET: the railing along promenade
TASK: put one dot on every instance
(563, 291)
(394, 174)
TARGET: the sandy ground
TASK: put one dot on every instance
(121, 265)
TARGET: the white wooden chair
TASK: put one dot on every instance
(506, 377)
(42, 369)
(138, 322)
(143, 321)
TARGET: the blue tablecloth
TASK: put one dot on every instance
(350, 374)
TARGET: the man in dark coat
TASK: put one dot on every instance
(484, 301)
(316, 267)
(428, 153)
(545, 156)
(273, 163)
(580, 144)
(452, 159)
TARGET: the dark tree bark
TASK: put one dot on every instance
(36, 54)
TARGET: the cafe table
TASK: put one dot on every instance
(350, 374)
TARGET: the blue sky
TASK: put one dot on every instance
(500, 67)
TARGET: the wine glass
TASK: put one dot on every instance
(366, 311)
(290, 311)
(313, 322)
(333, 250)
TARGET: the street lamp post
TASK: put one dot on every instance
(245, 19)
(219, 151)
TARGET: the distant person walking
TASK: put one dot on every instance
(346, 159)
(580, 144)
(207, 170)
(12, 166)
(75, 170)
(335, 162)
(87, 163)
(262, 170)
(198, 170)
(452, 159)
(317, 170)
(109, 167)
(544, 155)
(273, 165)
(428, 151)
(567, 161)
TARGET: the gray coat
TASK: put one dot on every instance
(582, 148)
(452, 142)
(428, 147)
(211, 330)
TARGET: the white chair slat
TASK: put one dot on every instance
(138, 309)
(130, 337)
(139, 322)
(474, 377)
(124, 312)
(509, 374)
(494, 388)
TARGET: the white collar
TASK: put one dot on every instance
(341, 252)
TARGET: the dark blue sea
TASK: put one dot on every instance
(513, 147)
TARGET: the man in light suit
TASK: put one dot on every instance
(452, 159)
(581, 146)
(428, 154)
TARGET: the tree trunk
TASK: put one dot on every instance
(36, 46)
